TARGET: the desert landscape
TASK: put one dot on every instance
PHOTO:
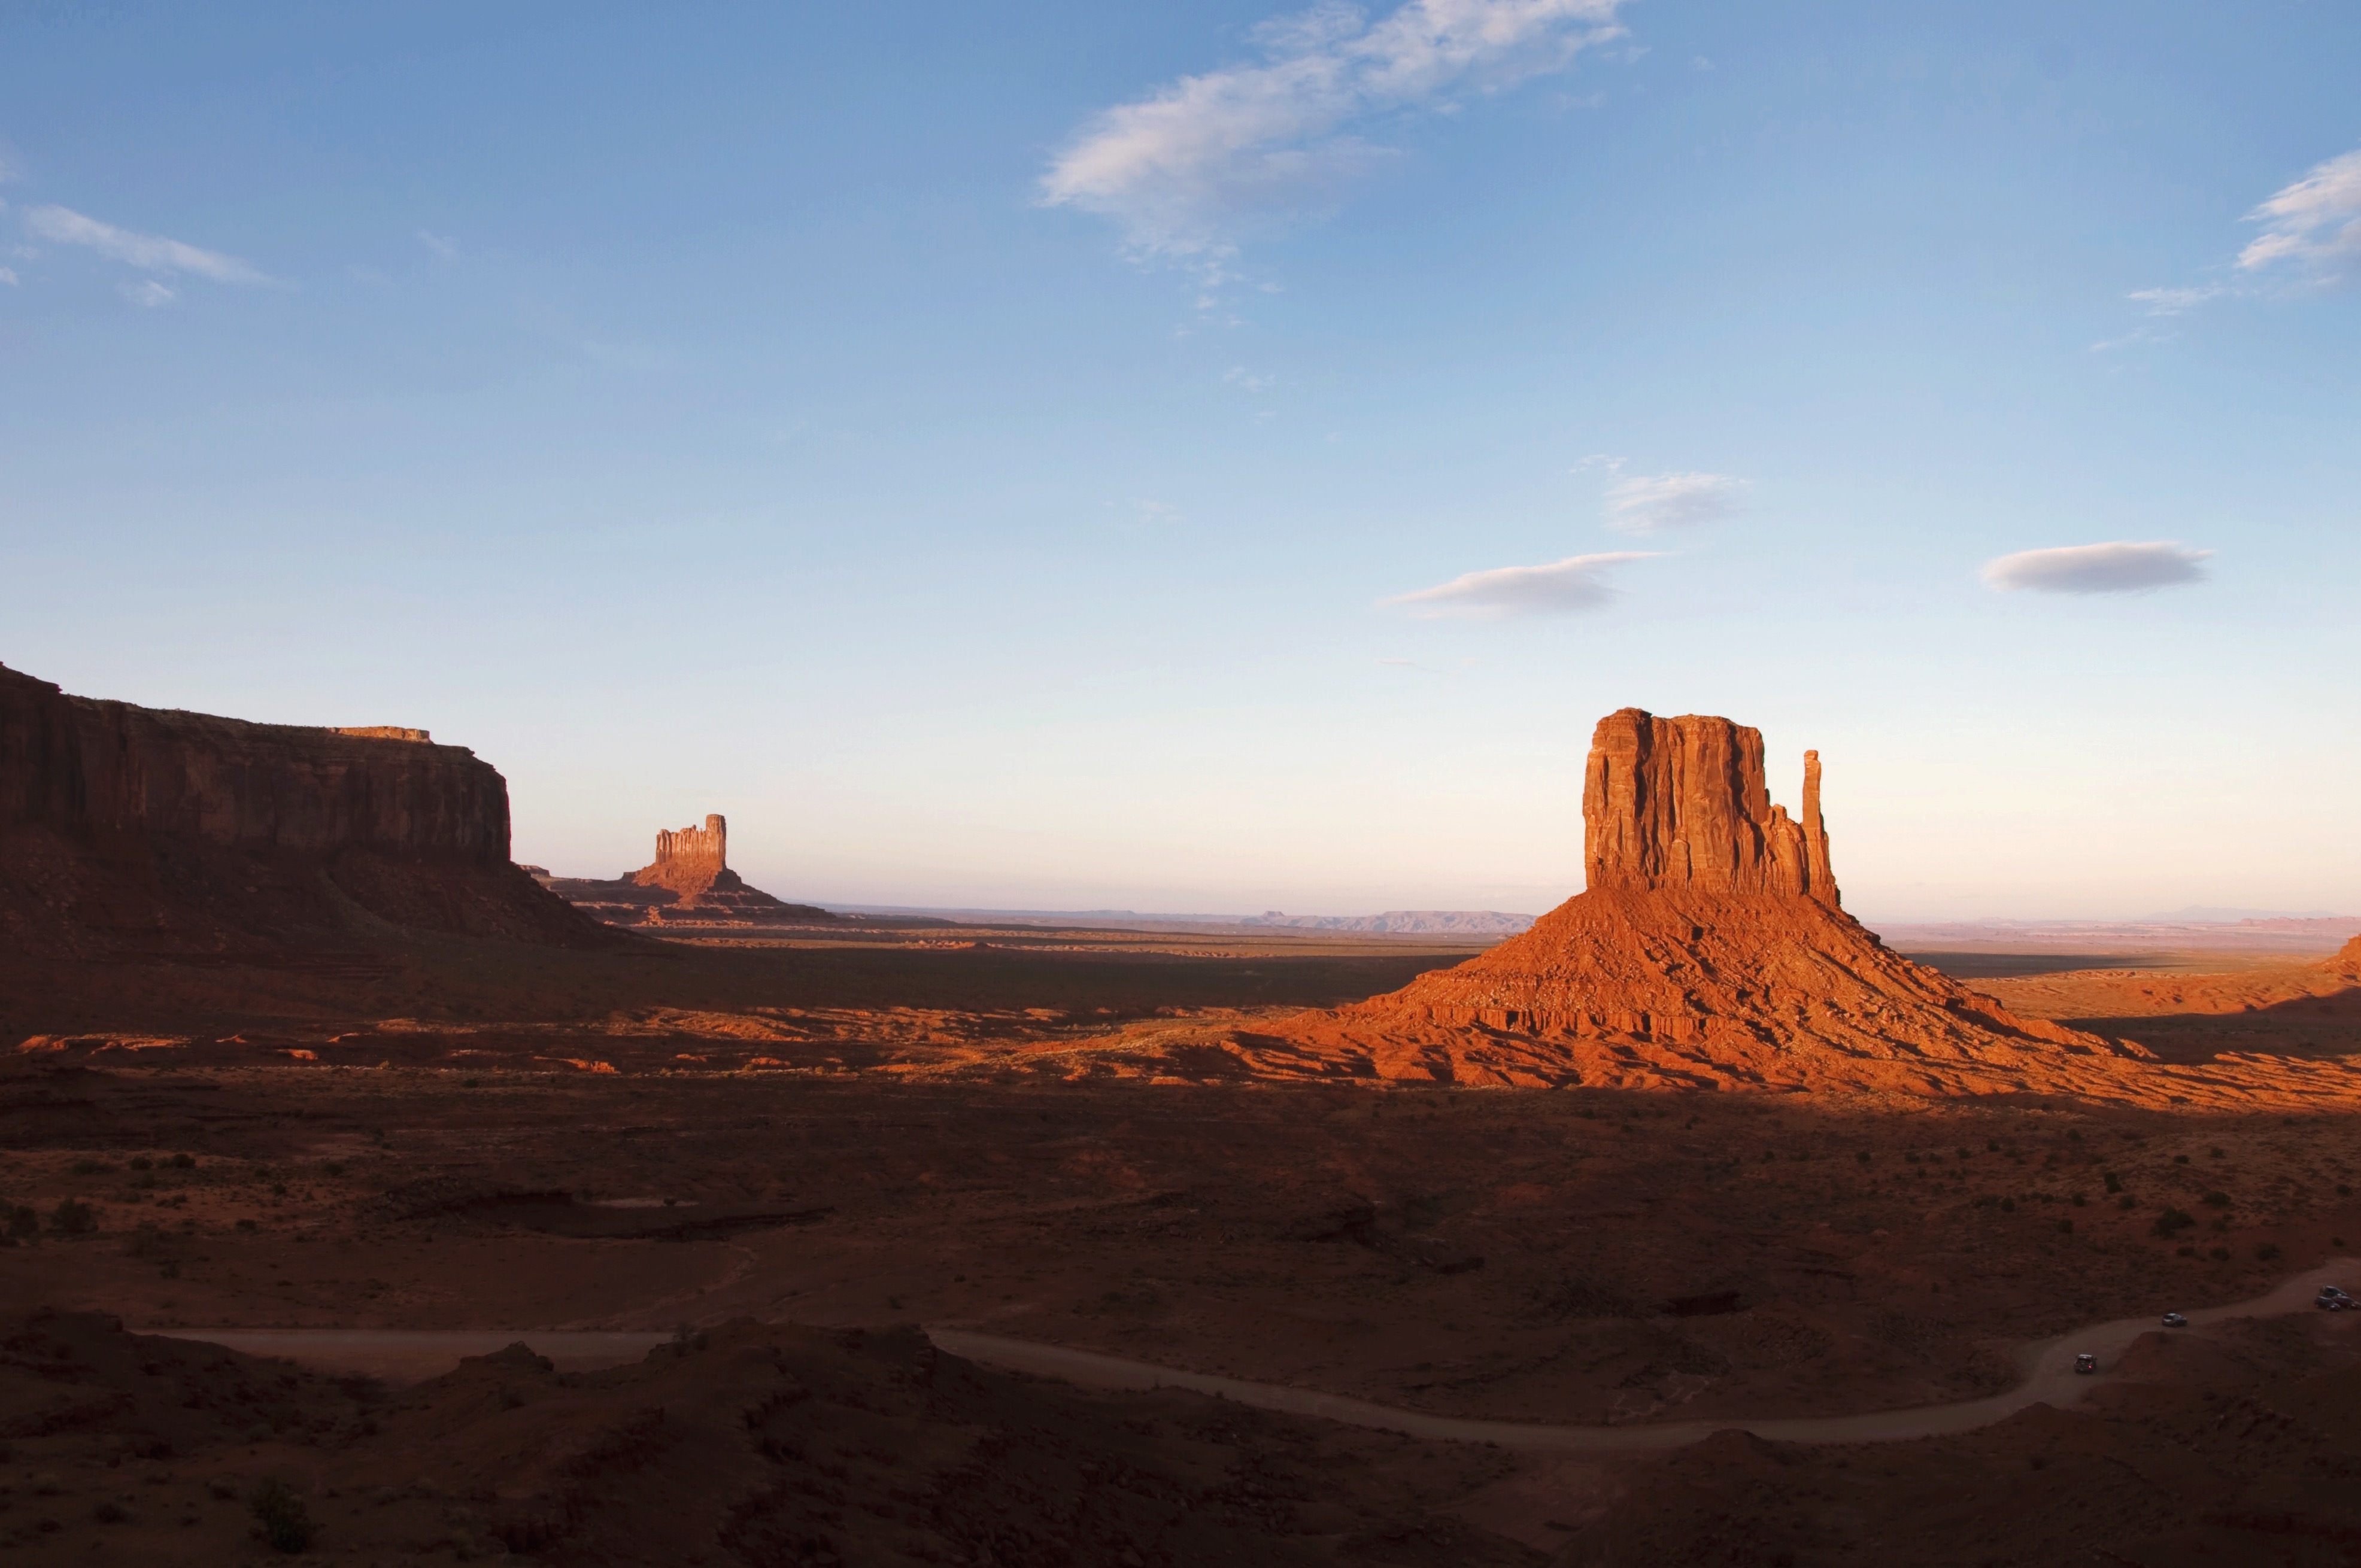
(367, 1199)
(1298, 784)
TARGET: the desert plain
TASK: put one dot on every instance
(368, 1202)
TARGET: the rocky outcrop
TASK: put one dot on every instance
(688, 882)
(1708, 951)
(1681, 804)
(167, 829)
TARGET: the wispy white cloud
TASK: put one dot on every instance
(2314, 224)
(2173, 301)
(1194, 168)
(150, 253)
(147, 293)
(2121, 567)
(8, 276)
(1252, 381)
(2311, 231)
(1569, 587)
(440, 245)
(1647, 503)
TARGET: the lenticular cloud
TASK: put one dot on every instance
(1569, 587)
(2117, 568)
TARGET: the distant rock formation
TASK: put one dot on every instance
(1708, 951)
(165, 831)
(689, 881)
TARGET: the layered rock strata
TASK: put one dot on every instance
(166, 830)
(1709, 949)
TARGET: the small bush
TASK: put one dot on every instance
(2217, 1198)
(2077, 1200)
(24, 1221)
(2172, 1221)
(2180, 1159)
(2344, 1190)
(89, 1168)
(73, 1218)
(141, 1162)
(1991, 1146)
(184, 1162)
(2008, 1205)
(2218, 1154)
(1863, 1157)
(246, 1224)
(2267, 1251)
(2065, 1227)
(2115, 1182)
(2184, 1252)
(108, 1511)
(333, 1168)
(280, 1516)
(2219, 1255)
(2125, 1203)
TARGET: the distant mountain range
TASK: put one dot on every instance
(1417, 922)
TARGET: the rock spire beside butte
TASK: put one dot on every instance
(1709, 950)
(689, 881)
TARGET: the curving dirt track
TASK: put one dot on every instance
(2050, 1364)
(404, 1356)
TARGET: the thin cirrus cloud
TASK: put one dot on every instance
(1569, 587)
(2121, 567)
(2312, 229)
(1191, 169)
(1647, 503)
(148, 252)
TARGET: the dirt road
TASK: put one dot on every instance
(404, 1356)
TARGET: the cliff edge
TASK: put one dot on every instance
(129, 830)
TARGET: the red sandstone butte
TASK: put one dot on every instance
(1708, 951)
(689, 881)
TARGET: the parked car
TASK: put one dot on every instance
(2175, 1321)
(2331, 1299)
(2086, 1362)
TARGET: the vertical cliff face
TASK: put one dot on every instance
(690, 859)
(184, 828)
(1674, 804)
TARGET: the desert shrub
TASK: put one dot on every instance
(2218, 1154)
(2219, 1255)
(1991, 1146)
(2174, 1221)
(183, 1162)
(141, 1162)
(1863, 1157)
(2008, 1205)
(2115, 1182)
(2217, 1198)
(89, 1168)
(471, 1083)
(246, 1224)
(2267, 1251)
(73, 1218)
(24, 1221)
(2180, 1159)
(2125, 1203)
(280, 1516)
(333, 1168)
(2065, 1227)
(2077, 1200)
(2184, 1252)
(108, 1511)
(2344, 1190)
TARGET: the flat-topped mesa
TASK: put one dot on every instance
(1680, 804)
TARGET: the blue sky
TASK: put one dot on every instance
(1220, 457)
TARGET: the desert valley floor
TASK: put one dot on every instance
(1033, 1138)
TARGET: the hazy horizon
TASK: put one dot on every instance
(1220, 457)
